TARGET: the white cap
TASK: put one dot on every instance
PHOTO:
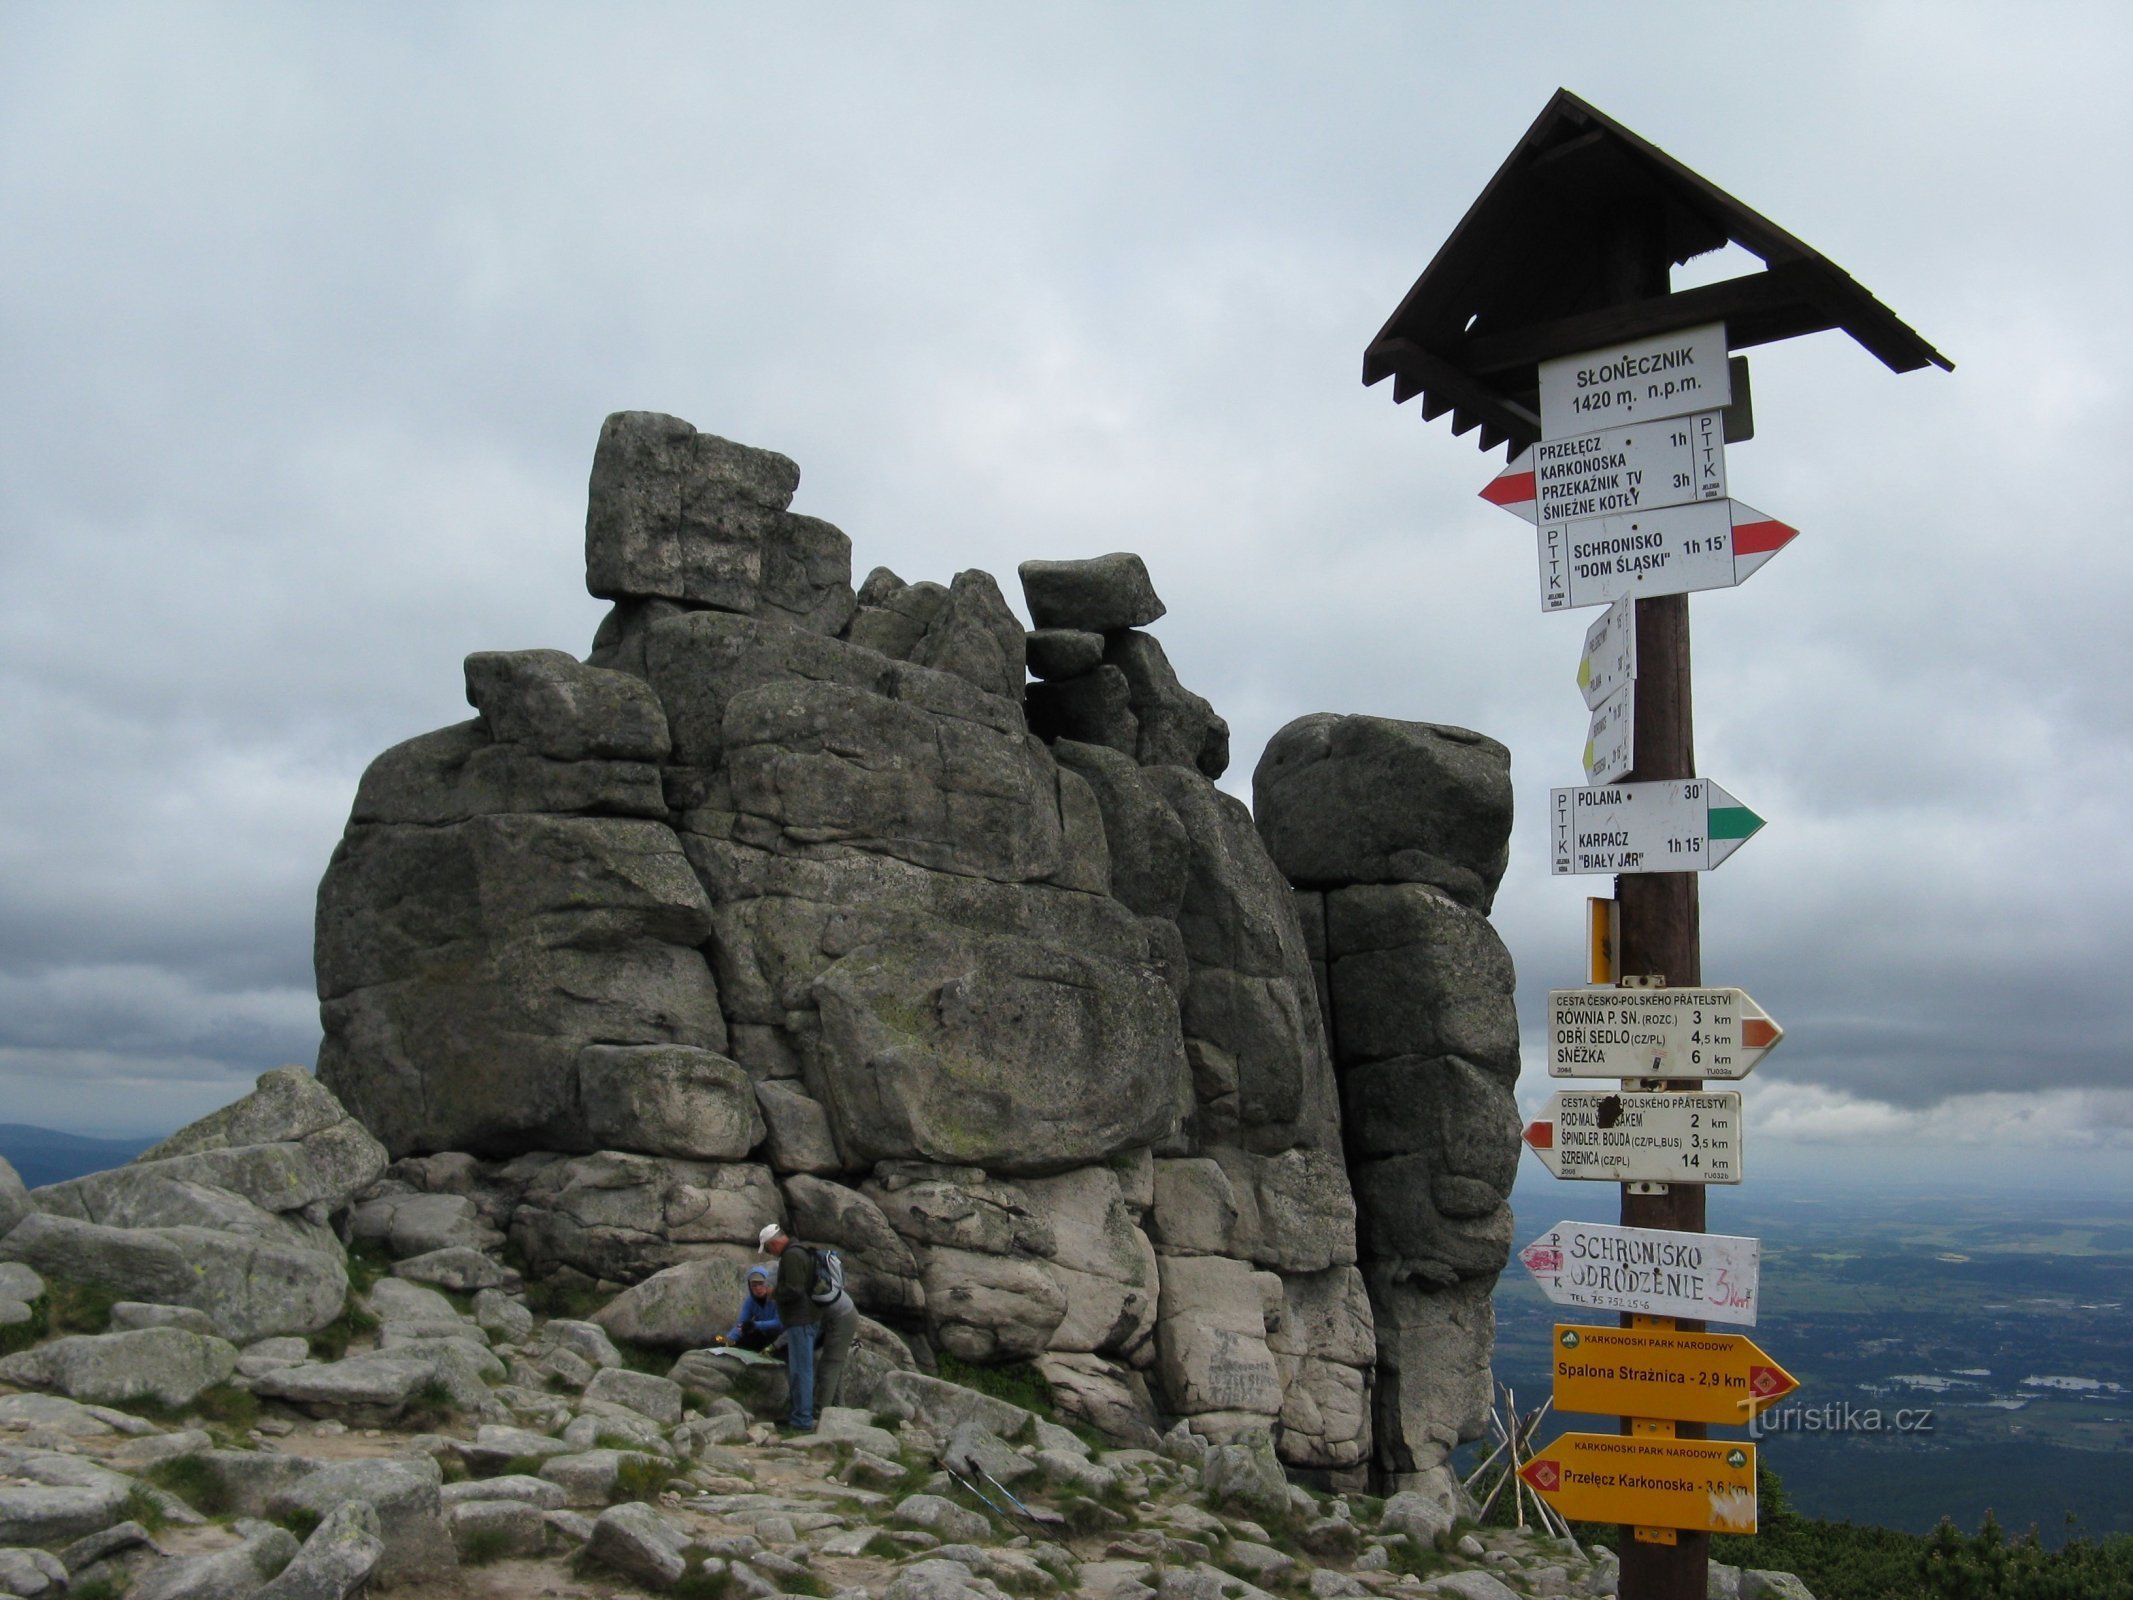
(770, 1231)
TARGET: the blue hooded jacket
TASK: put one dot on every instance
(761, 1313)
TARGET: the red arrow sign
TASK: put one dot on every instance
(1543, 1473)
(1540, 1135)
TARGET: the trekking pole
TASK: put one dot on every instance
(942, 1462)
(1043, 1519)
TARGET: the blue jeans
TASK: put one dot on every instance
(800, 1374)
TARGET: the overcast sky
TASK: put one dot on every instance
(309, 317)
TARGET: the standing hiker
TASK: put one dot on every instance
(816, 1311)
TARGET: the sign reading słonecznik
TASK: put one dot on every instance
(1681, 825)
(1677, 1136)
(1668, 376)
(1653, 1272)
(1657, 1033)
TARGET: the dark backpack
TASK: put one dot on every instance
(827, 1281)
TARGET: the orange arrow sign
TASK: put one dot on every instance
(1662, 1372)
(1706, 1484)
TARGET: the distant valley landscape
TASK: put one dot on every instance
(2005, 1316)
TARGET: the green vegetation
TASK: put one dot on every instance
(430, 1407)
(109, 1586)
(65, 1307)
(1841, 1561)
(643, 1357)
(331, 1342)
(562, 1293)
(368, 1261)
(1845, 1561)
(1018, 1383)
(195, 1482)
(883, 1548)
(641, 1477)
(21, 1335)
(483, 1546)
(301, 1521)
(145, 1506)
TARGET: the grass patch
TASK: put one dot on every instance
(368, 1261)
(642, 1357)
(1085, 1518)
(224, 1408)
(195, 1482)
(563, 1293)
(520, 1467)
(21, 1335)
(228, 1406)
(804, 1583)
(144, 1506)
(697, 1584)
(429, 1408)
(1420, 1560)
(483, 1546)
(1018, 1383)
(66, 1306)
(641, 1477)
(301, 1521)
(108, 1586)
(331, 1342)
(883, 1548)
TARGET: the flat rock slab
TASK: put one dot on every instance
(167, 1365)
(56, 1498)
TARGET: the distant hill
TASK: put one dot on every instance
(44, 1155)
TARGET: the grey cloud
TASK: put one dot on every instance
(312, 317)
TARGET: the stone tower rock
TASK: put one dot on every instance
(801, 901)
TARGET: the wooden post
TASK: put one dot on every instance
(1659, 933)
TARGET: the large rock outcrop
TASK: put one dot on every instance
(232, 1215)
(1395, 835)
(802, 902)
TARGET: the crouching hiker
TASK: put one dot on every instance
(757, 1327)
(820, 1322)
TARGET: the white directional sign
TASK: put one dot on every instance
(1610, 659)
(1647, 1271)
(1684, 825)
(1611, 738)
(1657, 1033)
(1612, 470)
(1712, 544)
(1678, 1136)
(1671, 375)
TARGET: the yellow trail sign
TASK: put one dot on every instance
(1661, 1372)
(1699, 1484)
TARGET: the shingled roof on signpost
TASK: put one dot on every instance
(1533, 272)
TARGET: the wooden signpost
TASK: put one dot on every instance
(1547, 321)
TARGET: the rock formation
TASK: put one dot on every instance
(1395, 835)
(799, 901)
